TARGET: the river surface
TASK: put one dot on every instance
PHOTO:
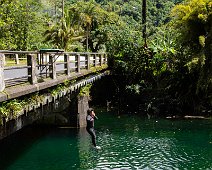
(128, 142)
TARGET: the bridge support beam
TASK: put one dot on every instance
(2, 83)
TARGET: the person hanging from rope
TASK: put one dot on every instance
(91, 116)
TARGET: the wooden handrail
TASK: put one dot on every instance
(18, 52)
(82, 60)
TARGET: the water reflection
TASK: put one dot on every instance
(127, 143)
(148, 144)
(87, 153)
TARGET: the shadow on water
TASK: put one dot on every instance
(15, 145)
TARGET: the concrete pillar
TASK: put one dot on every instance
(2, 83)
(83, 106)
(31, 61)
(67, 65)
(52, 67)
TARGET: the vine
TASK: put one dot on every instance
(85, 91)
(12, 108)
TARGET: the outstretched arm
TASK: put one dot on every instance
(94, 115)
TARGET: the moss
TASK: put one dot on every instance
(12, 108)
(85, 91)
(67, 82)
(98, 68)
(34, 99)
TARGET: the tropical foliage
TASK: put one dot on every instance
(21, 25)
(194, 22)
(63, 34)
(176, 66)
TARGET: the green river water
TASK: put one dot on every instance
(128, 142)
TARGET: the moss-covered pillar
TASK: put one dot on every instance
(83, 106)
(2, 83)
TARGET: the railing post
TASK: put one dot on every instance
(101, 56)
(67, 65)
(4, 60)
(88, 61)
(31, 61)
(105, 59)
(52, 67)
(39, 58)
(17, 59)
(2, 83)
(77, 58)
(95, 60)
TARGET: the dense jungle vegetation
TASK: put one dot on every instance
(168, 71)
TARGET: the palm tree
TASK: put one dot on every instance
(64, 33)
(86, 13)
(90, 15)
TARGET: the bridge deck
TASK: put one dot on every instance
(44, 70)
(21, 90)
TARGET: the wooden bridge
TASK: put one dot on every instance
(46, 68)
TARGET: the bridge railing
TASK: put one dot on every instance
(42, 65)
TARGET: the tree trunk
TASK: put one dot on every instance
(144, 21)
(87, 32)
(62, 9)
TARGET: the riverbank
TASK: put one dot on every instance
(153, 102)
(189, 117)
